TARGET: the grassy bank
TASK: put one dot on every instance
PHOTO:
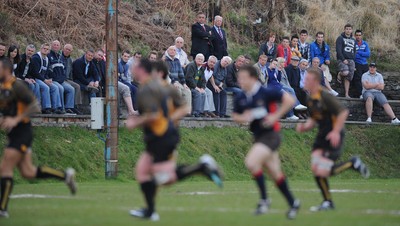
(81, 149)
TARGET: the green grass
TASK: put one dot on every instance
(81, 149)
(368, 202)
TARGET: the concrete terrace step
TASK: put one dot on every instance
(84, 121)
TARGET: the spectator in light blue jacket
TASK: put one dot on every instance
(362, 55)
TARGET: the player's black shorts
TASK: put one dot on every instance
(271, 139)
(329, 152)
(162, 148)
(20, 137)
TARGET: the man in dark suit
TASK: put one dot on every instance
(293, 72)
(201, 37)
(85, 74)
(220, 46)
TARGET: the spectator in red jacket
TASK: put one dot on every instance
(284, 50)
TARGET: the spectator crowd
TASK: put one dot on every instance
(205, 75)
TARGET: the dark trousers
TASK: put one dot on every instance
(220, 100)
(301, 96)
(133, 90)
(356, 83)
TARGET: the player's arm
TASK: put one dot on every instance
(307, 126)
(138, 121)
(245, 117)
(181, 107)
(341, 115)
(287, 104)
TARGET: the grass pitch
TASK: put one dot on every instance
(358, 202)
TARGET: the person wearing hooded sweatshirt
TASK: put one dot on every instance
(362, 55)
(125, 75)
(49, 92)
(177, 76)
(57, 73)
(346, 54)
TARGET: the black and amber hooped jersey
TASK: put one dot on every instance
(15, 97)
(324, 109)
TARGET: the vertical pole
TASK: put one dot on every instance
(111, 152)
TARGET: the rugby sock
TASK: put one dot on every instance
(260, 181)
(284, 188)
(324, 187)
(340, 167)
(149, 191)
(184, 171)
(44, 172)
(6, 188)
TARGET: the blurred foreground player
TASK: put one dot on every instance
(17, 103)
(330, 115)
(257, 105)
(160, 106)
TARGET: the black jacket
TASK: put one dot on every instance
(220, 46)
(201, 40)
(231, 76)
(19, 72)
(293, 75)
(194, 78)
(271, 54)
(38, 68)
(56, 67)
(345, 48)
(78, 71)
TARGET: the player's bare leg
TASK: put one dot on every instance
(9, 161)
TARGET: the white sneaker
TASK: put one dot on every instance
(213, 171)
(361, 97)
(300, 107)
(141, 213)
(369, 120)
(396, 121)
(334, 93)
(293, 118)
(4, 214)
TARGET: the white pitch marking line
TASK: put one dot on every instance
(297, 190)
(42, 196)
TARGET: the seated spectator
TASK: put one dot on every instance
(49, 92)
(13, 54)
(247, 59)
(269, 48)
(232, 84)
(294, 46)
(153, 56)
(123, 90)
(324, 81)
(22, 70)
(218, 88)
(132, 61)
(67, 62)
(177, 75)
(85, 74)
(261, 67)
(293, 74)
(180, 53)
(209, 106)
(57, 74)
(124, 75)
(195, 80)
(287, 88)
(2, 50)
(304, 46)
(373, 85)
(284, 50)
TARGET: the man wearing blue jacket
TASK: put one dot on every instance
(85, 74)
(124, 75)
(57, 74)
(346, 54)
(362, 55)
(49, 92)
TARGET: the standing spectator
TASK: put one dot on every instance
(373, 85)
(49, 93)
(269, 48)
(324, 81)
(13, 54)
(304, 46)
(2, 50)
(153, 56)
(284, 50)
(195, 80)
(23, 68)
(346, 54)
(232, 84)
(362, 55)
(201, 37)
(209, 106)
(294, 46)
(180, 53)
(124, 75)
(218, 89)
(261, 67)
(67, 62)
(177, 75)
(85, 74)
(294, 77)
(321, 50)
(219, 40)
(57, 74)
